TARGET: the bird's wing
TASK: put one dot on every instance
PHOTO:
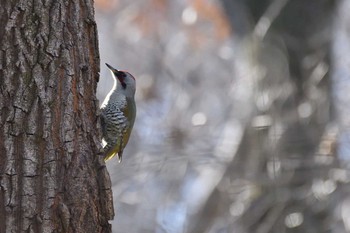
(112, 118)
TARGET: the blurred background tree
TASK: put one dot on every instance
(240, 104)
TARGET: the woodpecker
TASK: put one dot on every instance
(118, 112)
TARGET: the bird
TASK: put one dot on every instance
(118, 112)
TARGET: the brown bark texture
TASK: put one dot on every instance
(51, 177)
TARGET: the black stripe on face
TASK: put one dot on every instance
(121, 77)
(119, 74)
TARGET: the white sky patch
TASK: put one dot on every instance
(189, 16)
(199, 118)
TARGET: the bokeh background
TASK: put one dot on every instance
(243, 111)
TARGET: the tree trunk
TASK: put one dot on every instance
(51, 177)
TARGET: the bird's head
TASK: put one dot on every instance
(126, 82)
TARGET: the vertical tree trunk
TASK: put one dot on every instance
(51, 179)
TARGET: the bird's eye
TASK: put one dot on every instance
(123, 85)
(120, 74)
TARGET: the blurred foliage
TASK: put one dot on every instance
(238, 120)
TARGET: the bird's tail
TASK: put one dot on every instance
(110, 154)
(120, 155)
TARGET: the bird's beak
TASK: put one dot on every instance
(111, 68)
(119, 74)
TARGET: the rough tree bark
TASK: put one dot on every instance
(51, 179)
